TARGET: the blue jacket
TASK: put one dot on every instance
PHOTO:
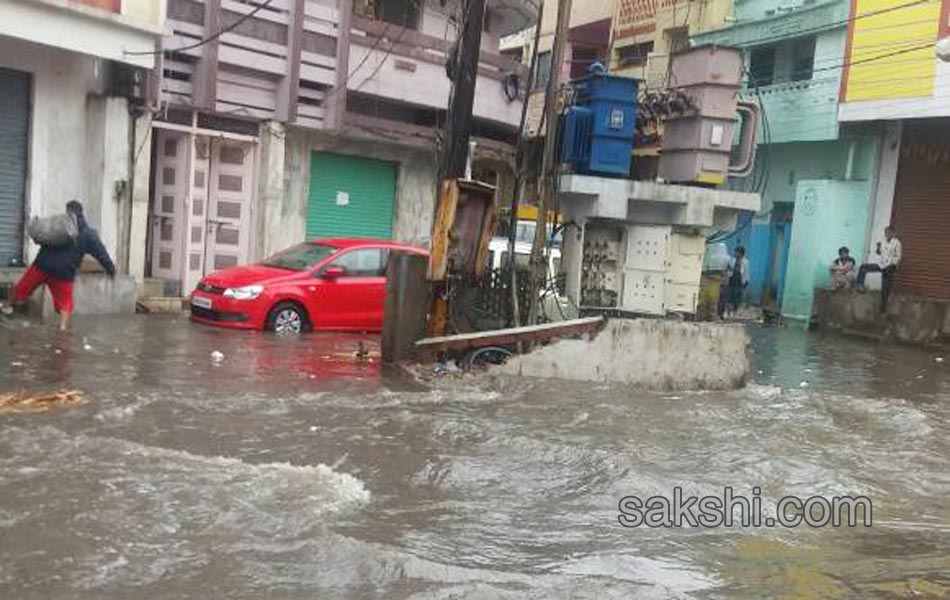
(63, 262)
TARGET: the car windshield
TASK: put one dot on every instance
(300, 257)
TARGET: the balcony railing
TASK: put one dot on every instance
(399, 64)
(278, 64)
(283, 63)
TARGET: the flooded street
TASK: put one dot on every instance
(291, 469)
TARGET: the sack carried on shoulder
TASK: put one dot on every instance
(55, 231)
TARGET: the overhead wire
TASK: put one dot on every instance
(210, 38)
(385, 34)
(719, 237)
(760, 182)
(840, 22)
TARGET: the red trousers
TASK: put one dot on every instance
(61, 289)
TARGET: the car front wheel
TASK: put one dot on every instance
(287, 318)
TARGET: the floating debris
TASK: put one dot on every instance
(803, 384)
(39, 402)
(217, 356)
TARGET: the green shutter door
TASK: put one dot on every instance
(350, 197)
(14, 139)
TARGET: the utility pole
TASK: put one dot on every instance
(520, 171)
(463, 69)
(546, 188)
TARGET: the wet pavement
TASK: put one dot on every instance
(294, 469)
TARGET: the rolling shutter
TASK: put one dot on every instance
(350, 197)
(922, 211)
(14, 140)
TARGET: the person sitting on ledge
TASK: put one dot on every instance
(842, 270)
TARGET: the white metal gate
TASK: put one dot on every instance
(168, 204)
(202, 213)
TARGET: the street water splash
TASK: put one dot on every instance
(181, 478)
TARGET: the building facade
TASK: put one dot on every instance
(816, 175)
(312, 118)
(894, 81)
(73, 75)
(647, 32)
(588, 42)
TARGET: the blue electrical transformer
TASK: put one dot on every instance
(597, 131)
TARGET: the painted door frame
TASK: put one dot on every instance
(185, 209)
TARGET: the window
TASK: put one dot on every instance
(397, 12)
(300, 257)
(366, 262)
(803, 59)
(677, 39)
(762, 66)
(514, 54)
(634, 55)
(582, 58)
(542, 71)
(790, 60)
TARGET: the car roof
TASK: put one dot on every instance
(344, 243)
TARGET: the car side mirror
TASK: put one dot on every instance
(332, 272)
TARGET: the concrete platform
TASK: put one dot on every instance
(646, 353)
(587, 197)
(95, 294)
(909, 319)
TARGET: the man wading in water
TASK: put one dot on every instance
(57, 267)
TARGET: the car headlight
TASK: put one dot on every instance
(248, 292)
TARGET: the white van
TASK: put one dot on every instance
(555, 306)
(498, 253)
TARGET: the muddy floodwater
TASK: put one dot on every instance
(292, 469)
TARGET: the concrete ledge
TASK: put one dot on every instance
(95, 294)
(648, 353)
(909, 319)
(173, 305)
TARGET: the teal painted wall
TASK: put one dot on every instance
(807, 110)
(827, 173)
(801, 110)
(790, 166)
(828, 215)
(795, 162)
(791, 163)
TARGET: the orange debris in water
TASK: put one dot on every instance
(39, 401)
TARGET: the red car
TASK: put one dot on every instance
(328, 284)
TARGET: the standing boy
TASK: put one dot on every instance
(890, 257)
(737, 279)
